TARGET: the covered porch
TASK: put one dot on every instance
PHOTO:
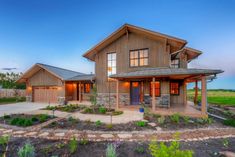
(172, 96)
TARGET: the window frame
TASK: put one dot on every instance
(178, 88)
(107, 65)
(138, 58)
(173, 65)
(150, 89)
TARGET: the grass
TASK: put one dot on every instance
(217, 97)
(11, 100)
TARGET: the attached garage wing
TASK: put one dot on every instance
(45, 94)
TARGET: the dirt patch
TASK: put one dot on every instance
(44, 147)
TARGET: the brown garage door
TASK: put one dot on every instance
(45, 94)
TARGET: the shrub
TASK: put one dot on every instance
(21, 122)
(115, 113)
(204, 120)
(34, 119)
(51, 107)
(141, 123)
(71, 119)
(139, 150)
(88, 110)
(43, 117)
(4, 140)
(225, 142)
(98, 123)
(73, 145)
(27, 150)
(229, 122)
(28, 122)
(186, 119)
(109, 126)
(175, 118)
(102, 110)
(83, 141)
(6, 116)
(161, 120)
(111, 151)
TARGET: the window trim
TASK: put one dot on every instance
(138, 57)
(178, 88)
(175, 64)
(150, 87)
(107, 63)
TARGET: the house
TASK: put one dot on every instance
(50, 84)
(135, 65)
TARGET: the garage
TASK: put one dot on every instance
(45, 94)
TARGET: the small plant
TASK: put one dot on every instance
(6, 116)
(205, 120)
(115, 113)
(109, 126)
(139, 150)
(73, 145)
(27, 150)
(4, 142)
(161, 120)
(83, 141)
(98, 123)
(72, 120)
(88, 110)
(186, 119)
(229, 122)
(21, 122)
(43, 117)
(34, 119)
(175, 118)
(141, 123)
(102, 110)
(111, 151)
(225, 142)
(59, 145)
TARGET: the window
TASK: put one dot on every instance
(175, 63)
(157, 88)
(174, 88)
(139, 57)
(87, 88)
(111, 64)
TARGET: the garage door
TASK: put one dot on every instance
(45, 94)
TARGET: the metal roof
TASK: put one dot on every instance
(157, 72)
(82, 77)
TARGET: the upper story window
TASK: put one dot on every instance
(175, 63)
(139, 57)
(111, 59)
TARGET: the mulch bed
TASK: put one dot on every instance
(45, 147)
(66, 108)
(35, 119)
(87, 125)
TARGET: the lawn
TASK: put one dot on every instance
(218, 97)
(11, 100)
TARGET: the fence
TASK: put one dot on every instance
(12, 93)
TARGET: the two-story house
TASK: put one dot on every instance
(135, 65)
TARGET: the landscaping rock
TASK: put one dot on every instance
(91, 136)
(227, 154)
(60, 134)
(43, 134)
(124, 135)
(158, 128)
(31, 133)
(106, 135)
(152, 124)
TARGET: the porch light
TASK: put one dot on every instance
(29, 88)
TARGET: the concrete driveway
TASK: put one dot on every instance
(21, 107)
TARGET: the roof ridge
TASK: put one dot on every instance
(59, 68)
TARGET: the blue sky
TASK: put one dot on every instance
(58, 32)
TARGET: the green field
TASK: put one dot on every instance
(218, 97)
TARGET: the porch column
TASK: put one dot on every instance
(117, 94)
(204, 95)
(153, 95)
(80, 92)
(196, 92)
(185, 93)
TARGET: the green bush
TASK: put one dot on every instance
(34, 119)
(115, 113)
(21, 122)
(229, 122)
(73, 145)
(4, 140)
(51, 107)
(102, 110)
(186, 119)
(27, 150)
(88, 110)
(204, 120)
(161, 120)
(6, 116)
(141, 123)
(175, 118)
(98, 123)
(111, 151)
(43, 117)
(72, 120)
(109, 126)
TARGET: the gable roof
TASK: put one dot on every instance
(61, 73)
(131, 28)
(191, 53)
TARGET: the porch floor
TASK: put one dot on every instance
(188, 110)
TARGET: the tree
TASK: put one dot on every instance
(8, 80)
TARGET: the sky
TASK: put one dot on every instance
(58, 32)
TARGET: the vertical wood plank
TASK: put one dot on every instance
(204, 95)
(153, 95)
(117, 94)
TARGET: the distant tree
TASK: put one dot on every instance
(8, 80)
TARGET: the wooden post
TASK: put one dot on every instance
(153, 95)
(196, 92)
(185, 93)
(117, 95)
(80, 92)
(204, 95)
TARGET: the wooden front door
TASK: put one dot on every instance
(135, 93)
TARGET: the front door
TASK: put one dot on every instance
(135, 93)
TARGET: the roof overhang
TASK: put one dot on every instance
(191, 53)
(174, 41)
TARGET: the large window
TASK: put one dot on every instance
(174, 88)
(157, 88)
(87, 88)
(175, 63)
(111, 69)
(139, 57)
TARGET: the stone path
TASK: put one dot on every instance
(185, 135)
